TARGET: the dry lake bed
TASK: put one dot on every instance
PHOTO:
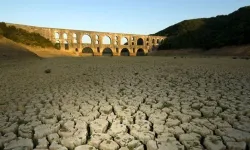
(125, 103)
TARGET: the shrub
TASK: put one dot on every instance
(47, 71)
(244, 57)
(1, 31)
(57, 46)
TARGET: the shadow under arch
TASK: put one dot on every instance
(88, 51)
(66, 45)
(140, 52)
(107, 52)
(58, 45)
(124, 52)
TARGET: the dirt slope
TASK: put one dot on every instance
(50, 52)
(12, 50)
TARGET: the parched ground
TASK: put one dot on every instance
(111, 103)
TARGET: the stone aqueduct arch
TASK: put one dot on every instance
(77, 41)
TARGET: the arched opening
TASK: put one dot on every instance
(65, 36)
(158, 41)
(57, 45)
(140, 41)
(124, 52)
(66, 45)
(107, 52)
(106, 40)
(74, 38)
(87, 51)
(124, 41)
(96, 39)
(86, 39)
(57, 35)
(153, 41)
(140, 52)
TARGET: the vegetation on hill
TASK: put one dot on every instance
(23, 36)
(207, 33)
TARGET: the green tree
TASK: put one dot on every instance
(207, 33)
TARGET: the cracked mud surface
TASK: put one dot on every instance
(141, 103)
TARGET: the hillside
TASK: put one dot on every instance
(24, 37)
(206, 33)
(16, 43)
(13, 50)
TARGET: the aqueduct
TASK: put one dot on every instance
(97, 43)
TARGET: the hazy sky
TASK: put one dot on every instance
(122, 16)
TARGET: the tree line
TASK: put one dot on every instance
(207, 33)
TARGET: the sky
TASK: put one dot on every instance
(119, 16)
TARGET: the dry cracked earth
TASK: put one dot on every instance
(125, 103)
